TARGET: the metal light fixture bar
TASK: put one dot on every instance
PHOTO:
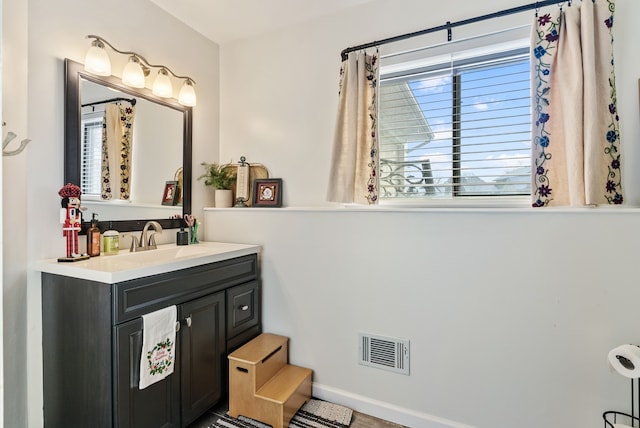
(187, 93)
(147, 65)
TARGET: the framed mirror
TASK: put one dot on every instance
(156, 158)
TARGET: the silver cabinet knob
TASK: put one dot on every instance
(188, 320)
(244, 308)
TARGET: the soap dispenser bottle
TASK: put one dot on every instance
(93, 237)
(111, 241)
(182, 237)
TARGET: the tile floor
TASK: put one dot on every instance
(359, 420)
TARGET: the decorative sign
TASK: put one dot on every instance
(242, 180)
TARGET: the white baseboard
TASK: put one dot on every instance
(382, 410)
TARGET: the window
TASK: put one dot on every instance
(456, 128)
(91, 155)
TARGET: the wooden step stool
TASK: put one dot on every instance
(263, 386)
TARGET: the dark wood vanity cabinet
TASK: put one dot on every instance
(92, 342)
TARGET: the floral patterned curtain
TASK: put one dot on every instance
(354, 167)
(576, 131)
(117, 139)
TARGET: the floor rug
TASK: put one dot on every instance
(314, 414)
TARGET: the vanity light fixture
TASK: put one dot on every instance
(162, 84)
(133, 73)
(187, 96)
(137, 69)
(96, 60)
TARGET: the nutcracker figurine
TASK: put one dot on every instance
(71, 219)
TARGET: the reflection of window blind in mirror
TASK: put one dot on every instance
(91, 156)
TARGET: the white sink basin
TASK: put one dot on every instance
(126, 265)
(167, 253)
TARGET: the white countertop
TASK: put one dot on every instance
(126, 266)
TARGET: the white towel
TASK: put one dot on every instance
(158, 345)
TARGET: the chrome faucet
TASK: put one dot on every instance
(146, 242)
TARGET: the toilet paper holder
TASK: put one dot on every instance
(625, 362)
(622, 360)
(611, 419)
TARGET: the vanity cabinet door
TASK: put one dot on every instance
(202, 348)
(155, 406)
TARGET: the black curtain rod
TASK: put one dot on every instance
(449, 25)
(132, 101)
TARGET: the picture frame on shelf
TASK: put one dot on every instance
(169, 196)
(267, 192)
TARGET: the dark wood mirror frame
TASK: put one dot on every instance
(73, 72)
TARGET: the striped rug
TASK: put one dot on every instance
(314, 414)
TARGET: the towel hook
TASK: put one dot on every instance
(8, 138)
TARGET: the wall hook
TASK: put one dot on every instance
(10, 137)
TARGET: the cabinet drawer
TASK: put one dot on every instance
(242, 308)
(140, 296)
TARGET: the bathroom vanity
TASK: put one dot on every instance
(92, 332)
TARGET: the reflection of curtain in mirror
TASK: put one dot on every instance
(117, 140)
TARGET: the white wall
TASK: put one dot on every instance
(14, 194)
(1, 269)
(508, 327)
(37, 35)
(510, 313)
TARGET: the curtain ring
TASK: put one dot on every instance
(449, 36)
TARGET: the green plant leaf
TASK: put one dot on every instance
(220, 176)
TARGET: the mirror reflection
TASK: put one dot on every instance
(140, 150)
(122, 145)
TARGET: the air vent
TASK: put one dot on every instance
(387, 353)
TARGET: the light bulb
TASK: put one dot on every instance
(162, 85)
(96, 61)
(187, 96)
(133, 75)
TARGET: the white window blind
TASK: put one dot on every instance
(91, 155)
(456, 129)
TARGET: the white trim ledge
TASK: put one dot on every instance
(440, 209)
(382, 410)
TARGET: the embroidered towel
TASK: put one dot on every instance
(158, 345)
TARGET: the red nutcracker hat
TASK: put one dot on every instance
(70, 191)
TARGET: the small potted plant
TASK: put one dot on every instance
(221, 177)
